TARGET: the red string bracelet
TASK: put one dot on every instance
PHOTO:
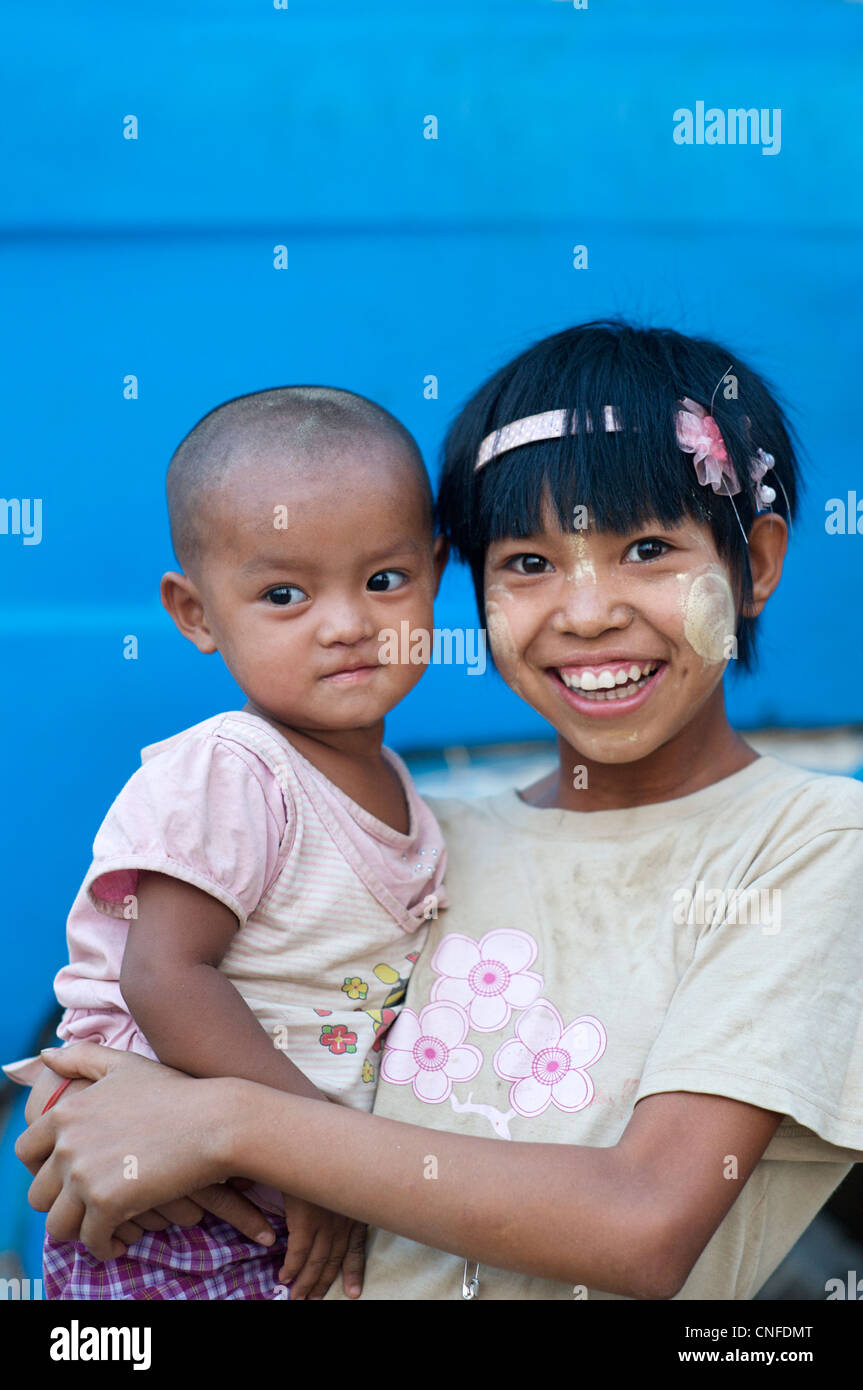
(55, 1096)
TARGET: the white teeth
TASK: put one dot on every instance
(588, 682)
(619, 693)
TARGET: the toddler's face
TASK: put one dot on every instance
(618, 641)
(309, 563)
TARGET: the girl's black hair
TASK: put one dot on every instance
(628, 478)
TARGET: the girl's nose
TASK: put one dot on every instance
(590, 607)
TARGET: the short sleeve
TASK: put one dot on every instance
(770, 1010)
(204, 810)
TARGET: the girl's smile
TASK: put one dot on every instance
(608, 688)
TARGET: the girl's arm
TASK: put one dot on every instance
(630, 1219)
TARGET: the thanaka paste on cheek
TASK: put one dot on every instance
(503, 644)
(709, 617)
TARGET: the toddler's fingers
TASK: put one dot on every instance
(302, 1229)
(327, 1275)
(338, 1250)
(317, 1259)
(224, 1201)
(354, 1262)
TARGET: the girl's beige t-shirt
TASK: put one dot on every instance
(713, 943)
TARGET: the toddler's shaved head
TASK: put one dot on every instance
(299, 424)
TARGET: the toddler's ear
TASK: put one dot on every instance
(441, 555)
(181, 598)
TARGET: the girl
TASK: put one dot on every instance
(261, 887)
(650, 976)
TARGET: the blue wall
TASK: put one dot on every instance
(406, 257)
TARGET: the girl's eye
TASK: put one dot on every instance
(648, 549)
(528, 564)
(385, 581)
(286, 595)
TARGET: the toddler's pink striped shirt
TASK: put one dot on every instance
(332, 904)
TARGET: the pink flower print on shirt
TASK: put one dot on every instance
(547, 1062)
(488, 978)
(430, 1052)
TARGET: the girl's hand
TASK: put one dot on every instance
(139, 1139)
(42, 1090)
(40, 1093)
(320, 1242)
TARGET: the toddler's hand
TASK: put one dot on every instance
(319, 1244)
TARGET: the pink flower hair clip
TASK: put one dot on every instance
(699, 434)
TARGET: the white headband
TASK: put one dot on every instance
(551, 424)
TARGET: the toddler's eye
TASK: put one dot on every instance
(385, 581)
(528, 564)
(647, 549)
(286, 595)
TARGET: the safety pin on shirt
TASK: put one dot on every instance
(470, 1287)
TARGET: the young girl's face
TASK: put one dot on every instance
(309, 565)
(618, 641)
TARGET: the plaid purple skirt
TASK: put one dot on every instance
(210, 1260)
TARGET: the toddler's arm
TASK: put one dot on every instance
(191, 1014)
(195, 1020)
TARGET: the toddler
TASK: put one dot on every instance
(262, 885)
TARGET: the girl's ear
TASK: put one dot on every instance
(184, 603)
(441, 555)
(768, 541)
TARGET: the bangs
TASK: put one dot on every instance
(621, 480)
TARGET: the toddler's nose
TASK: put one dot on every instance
(345, 621)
